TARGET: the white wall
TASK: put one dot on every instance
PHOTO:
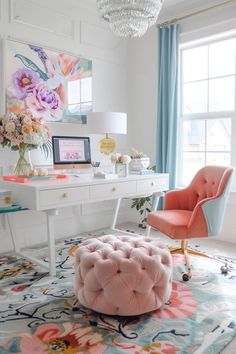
(142, 93)
(142, 81)
(71, 26)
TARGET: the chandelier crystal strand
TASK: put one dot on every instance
(129, 18)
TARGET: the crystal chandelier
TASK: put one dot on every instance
(129, 18)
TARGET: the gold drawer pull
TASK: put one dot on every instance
(113, 189)
(65, 195)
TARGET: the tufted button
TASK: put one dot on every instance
(118, 271)
(164, 261)
(143, 268)
(134, 291)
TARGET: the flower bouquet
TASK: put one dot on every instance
(119, 158)
(23, 132)
(121, 164)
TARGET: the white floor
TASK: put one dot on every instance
(215, 247)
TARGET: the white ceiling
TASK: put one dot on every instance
(170, 7)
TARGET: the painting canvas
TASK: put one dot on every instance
(52, 85)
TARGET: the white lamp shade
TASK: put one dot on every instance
(107, 123)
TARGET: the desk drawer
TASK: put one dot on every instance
(152, 184)
(111, 190)
(63, 196)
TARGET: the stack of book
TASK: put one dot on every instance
(144, 171)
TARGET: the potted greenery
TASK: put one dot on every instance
(143, 205)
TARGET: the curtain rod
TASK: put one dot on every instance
(175, 19)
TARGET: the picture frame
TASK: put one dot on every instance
(53, 85)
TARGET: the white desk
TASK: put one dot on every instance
(49, 196)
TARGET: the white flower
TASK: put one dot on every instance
(27, 120)
(115, 157)
(126, 159)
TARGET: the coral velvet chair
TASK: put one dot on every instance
(194, 211)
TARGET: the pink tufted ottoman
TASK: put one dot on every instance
(123, 275)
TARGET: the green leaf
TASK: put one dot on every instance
(30, 64)
(47, 149)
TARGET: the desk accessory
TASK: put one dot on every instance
(5, 198)
(33, 178)
(95, 165)
(105, 175)
(144, 171)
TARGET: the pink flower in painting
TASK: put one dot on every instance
(181, 303)
(44, 102)
(23, 82)
(162, 347)
(67, 338)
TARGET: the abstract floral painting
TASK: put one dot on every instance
(52, 85)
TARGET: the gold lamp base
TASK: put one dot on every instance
(107, 145)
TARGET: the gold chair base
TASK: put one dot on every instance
(183, 249)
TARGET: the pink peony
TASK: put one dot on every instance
(23, 82)
(44, 102)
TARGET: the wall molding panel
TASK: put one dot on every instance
(33, 15)
(97, 36)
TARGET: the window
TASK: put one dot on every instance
(207, 106)
(80, 96)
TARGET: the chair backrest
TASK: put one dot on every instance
(212, 182)
(209, 181)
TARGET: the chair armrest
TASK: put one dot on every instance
(199, 219)
(177, 199)
(212, 210)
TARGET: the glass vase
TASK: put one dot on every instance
(121, 169)
(23, 166)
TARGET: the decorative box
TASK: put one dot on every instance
(5, 198)
(139, 164)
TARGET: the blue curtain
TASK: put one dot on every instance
(168, 52)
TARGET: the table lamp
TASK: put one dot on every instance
(107, 123)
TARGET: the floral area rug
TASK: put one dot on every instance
(39, 314)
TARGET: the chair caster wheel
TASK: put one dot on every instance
(186, 277)
(224, 270)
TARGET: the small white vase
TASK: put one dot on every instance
(122, 169)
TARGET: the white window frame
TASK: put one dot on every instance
(203, 116)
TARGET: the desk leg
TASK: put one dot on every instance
(113, 225)
(156, 197)
(51, 240)
(12, 233)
